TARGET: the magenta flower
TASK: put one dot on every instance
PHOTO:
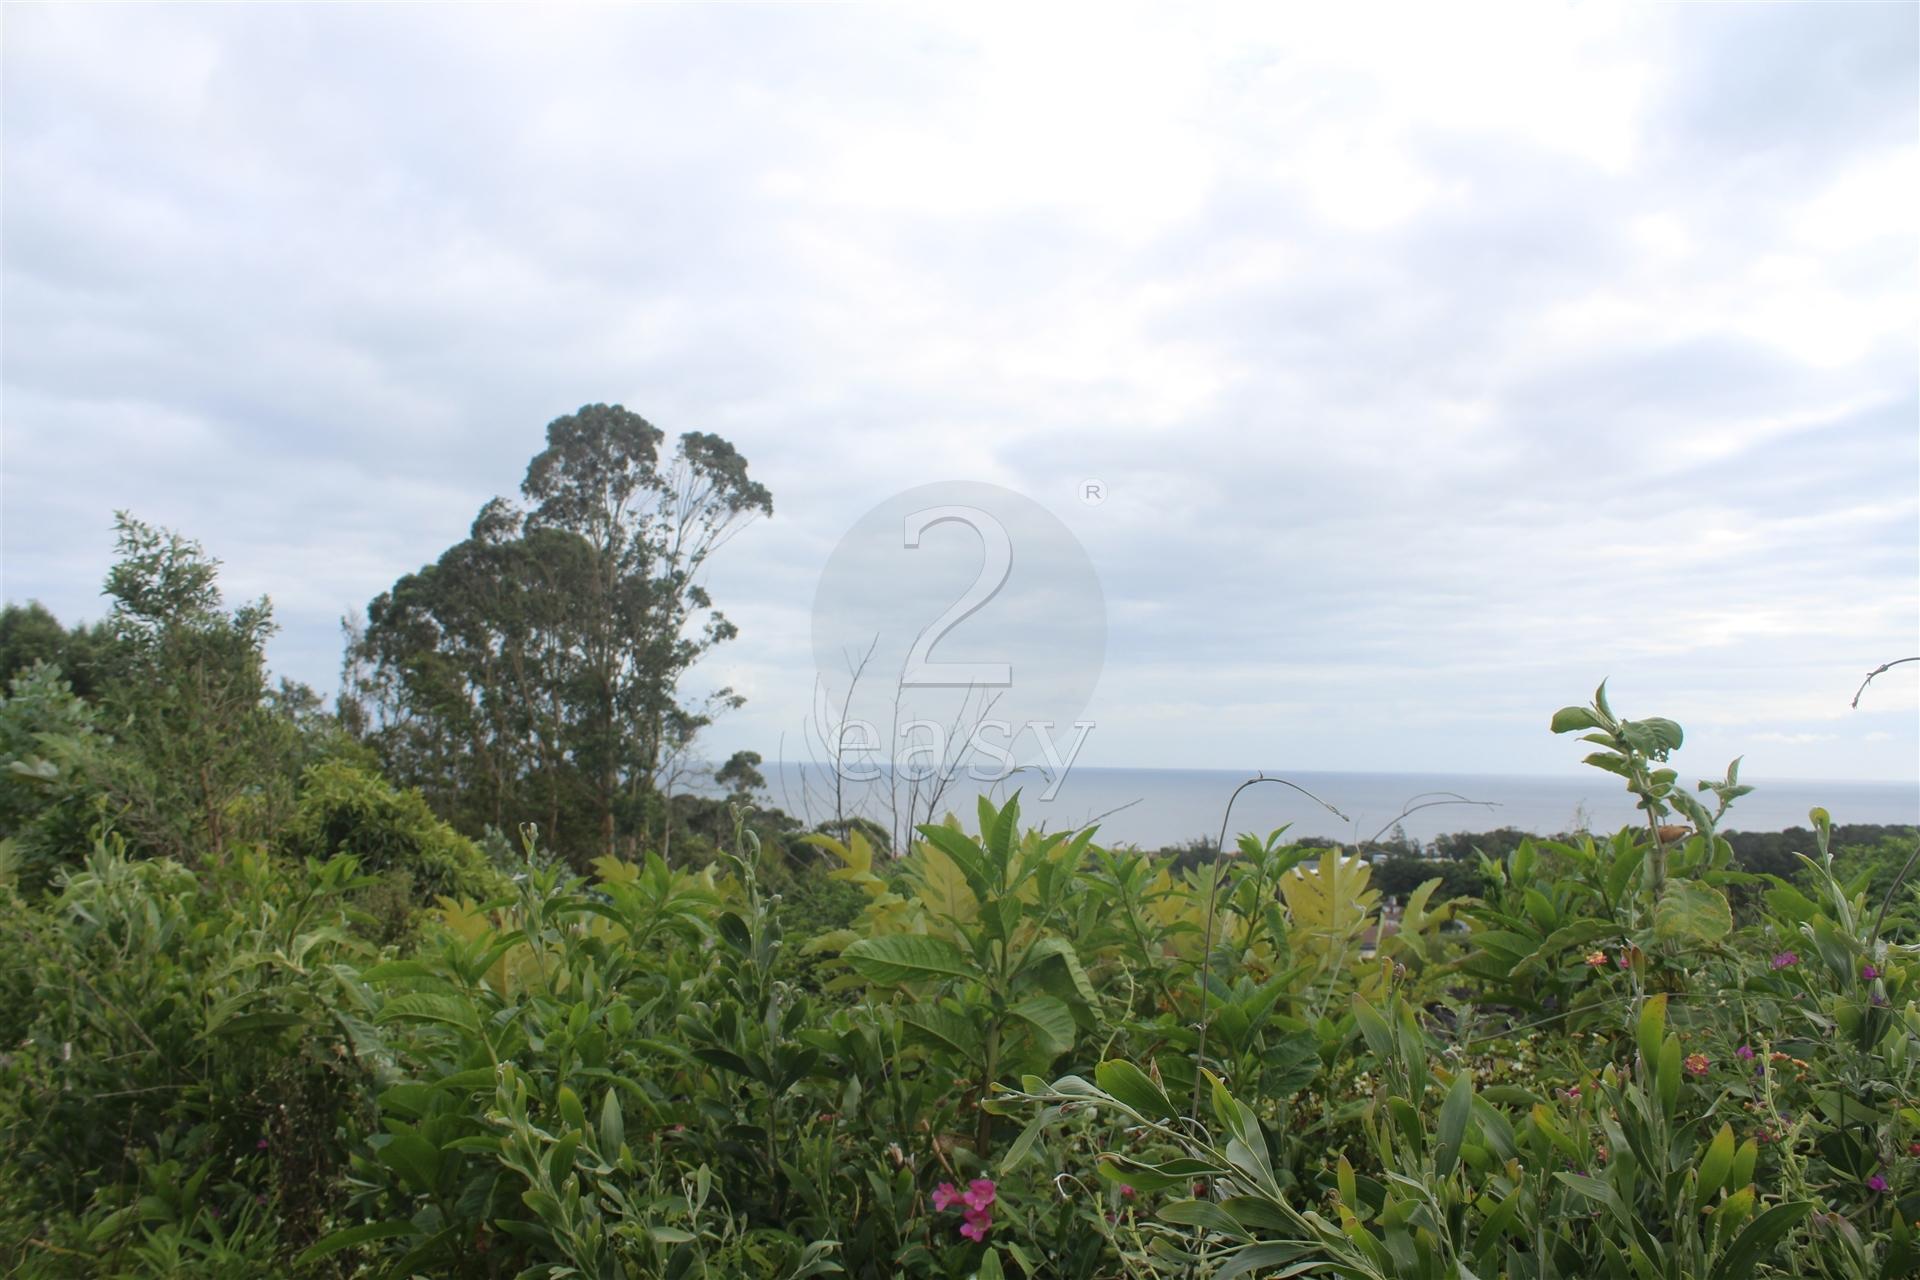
(978, 1223)
(1744, 1053)
(1876, 1183)
(1868, 972)
(1785, 959)
(945, 1197)
(261, 1145)
(1127, 1192)
(979, 1195)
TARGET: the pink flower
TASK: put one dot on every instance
(945, 1197)
(1744, 1053)
(1876, 1183)
(979, 1195)
(1624, 960)
(978, 1223)
(1127, 1192)
(1785, 959)
(1868, 972)
(1697, 1064)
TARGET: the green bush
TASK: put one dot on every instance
(178, 1058)
(344, 809)
(1596, 1067)
(49, 749)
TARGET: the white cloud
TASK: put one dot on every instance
(1440, 361)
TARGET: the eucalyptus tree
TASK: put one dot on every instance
(534, 670)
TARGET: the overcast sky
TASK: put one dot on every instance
(1438, 361)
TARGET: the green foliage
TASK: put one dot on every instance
(343, 809)
(534, 670)
(176, 1048)
(199, 749)
(30, 634)
(50, 749)
(758, 1068)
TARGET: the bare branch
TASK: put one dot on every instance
(1885, 666)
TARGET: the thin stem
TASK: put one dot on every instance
(1206, 938)
(1873, 934)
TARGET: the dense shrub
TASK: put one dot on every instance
(49, 754)
(179, 1059)
(344, 809)
(999, 1053)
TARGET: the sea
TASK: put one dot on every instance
(1159, 808)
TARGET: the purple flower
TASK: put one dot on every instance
(261, 1145)
(1785, 959)
(1868, 972)
(1876, 1183)
(1744, 1053)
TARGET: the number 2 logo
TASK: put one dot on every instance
(921, 671)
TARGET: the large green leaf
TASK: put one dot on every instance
(351, 1236)
(906, 957)
(1136, 1089)
(932, 1024)
(1573, 719)
(1051, 1020)
(452, 1011)
(414, 1158)
(1759, 1238)
(1690, 911)
(1058, 948)
(1454, 1113)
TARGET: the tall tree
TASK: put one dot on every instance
(187, 698)
(538, 663)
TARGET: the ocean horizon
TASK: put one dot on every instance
(1155, 808)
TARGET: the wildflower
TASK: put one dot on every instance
(1127, 1192)
(978, 1223)
(1876, 1183)
(1868, 972)
(1744, 1053)
(1785, 960)
(261, 1145)
(979, 1194)
(1913, 1148)
(945, 1197)
(1624, 960)
(1595, 959)
(1696, 1064)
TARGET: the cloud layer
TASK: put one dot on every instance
(1435, 367)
